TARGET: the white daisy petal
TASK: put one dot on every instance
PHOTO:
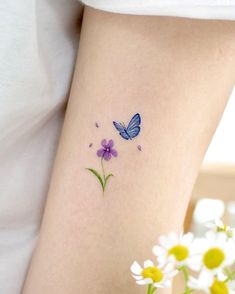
(169, 267)
(157, 250)
(206, 278)
(221, 237)
(161, 262)
(194, 263)
(167, 284)
(187, 239)
(145, 281)
(210, 236)
(148, 263)
(173, 273)
(136, 268)
(173, 237)
(219, 223)
(137, 277)
(163, 240)
(158, 285)
(192, 283)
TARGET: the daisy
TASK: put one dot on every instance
(217, 251)
(218, 226)
(178, 249)
(159, 276)
(211, 284)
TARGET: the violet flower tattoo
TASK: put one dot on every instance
(107, 150)
(105, 153)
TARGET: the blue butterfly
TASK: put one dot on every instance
(132, 129)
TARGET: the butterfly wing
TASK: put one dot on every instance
(122, 130)
(133, 132)
(133, 127)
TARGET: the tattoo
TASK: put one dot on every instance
(132, 130)
(139, 147)
(105, 153)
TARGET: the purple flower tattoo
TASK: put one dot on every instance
(105, 153)
(107, 150)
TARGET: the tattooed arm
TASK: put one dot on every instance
(147, 95)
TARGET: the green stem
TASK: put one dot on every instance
(185, 272)
(230, 275)
(153, 290)
(149, 289)
(102, 165)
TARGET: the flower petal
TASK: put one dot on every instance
(104, 143)
(206, 278)
(173, 238)
(161, 261)
(169, 267)
(107, 155)
(187, 239)
(100, 152)
(193, 283)
(110, 144)
(173, 273)
(137, 277)
(166, 284)
(163, 240)
(158, 250)
(136, 268)
(194, 262)
(163, 284)
(144, 281)
(219, 223)
(148, 263)
(114, 152)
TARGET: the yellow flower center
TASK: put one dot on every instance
(152, 272)
(218, 287)
(223, 229)
(213, 258)
(180, 252)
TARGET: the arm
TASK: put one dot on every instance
(177, 74)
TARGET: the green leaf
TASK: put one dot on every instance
(98, 177)
(106, 179)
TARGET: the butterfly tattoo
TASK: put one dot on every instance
(132, 130)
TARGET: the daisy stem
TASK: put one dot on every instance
(149, 289)
(154, 289)
(229, 274)
(185, 272)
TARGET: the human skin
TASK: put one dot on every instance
(178, 74)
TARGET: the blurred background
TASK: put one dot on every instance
(213, 195)
(214, 191)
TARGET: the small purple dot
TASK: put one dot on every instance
(139, 147)
(90, 145)
(97, 125)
